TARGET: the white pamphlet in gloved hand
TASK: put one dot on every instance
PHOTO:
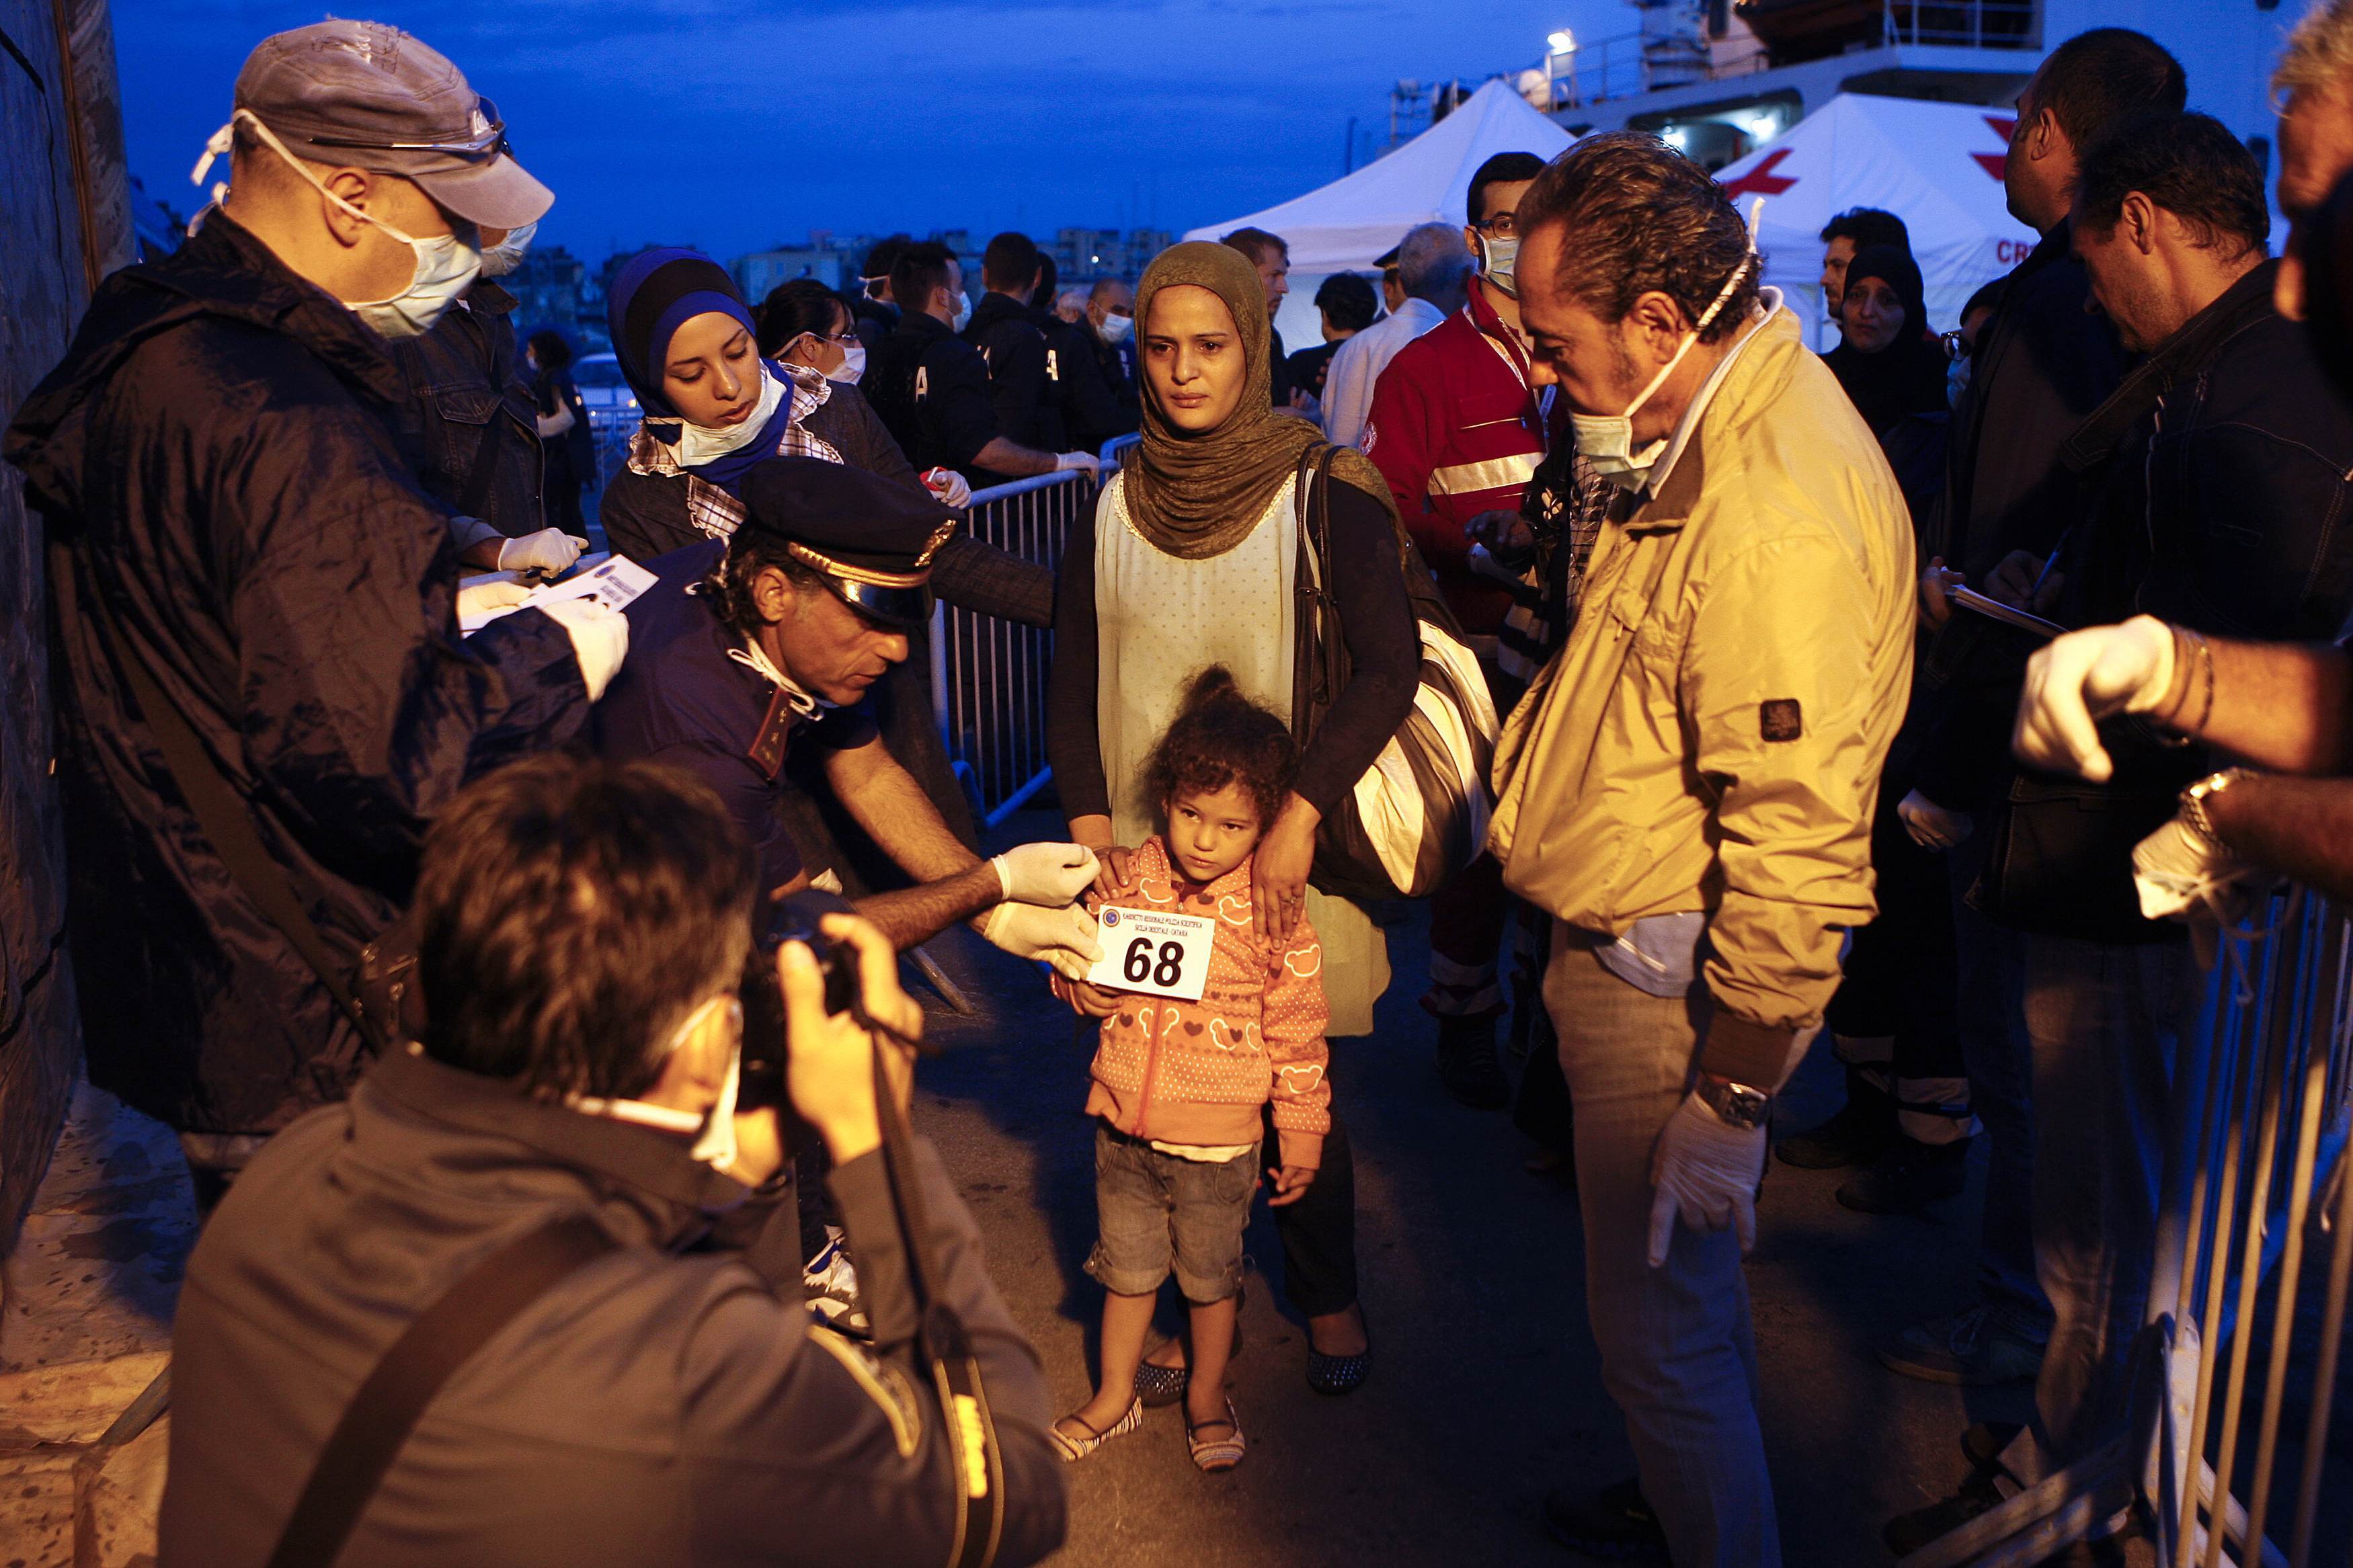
(1048, 874)
(612, 581)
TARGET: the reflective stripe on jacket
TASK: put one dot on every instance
(1710, 735)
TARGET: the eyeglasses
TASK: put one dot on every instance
(481, 147)
(1957, 345)
(1502, 225)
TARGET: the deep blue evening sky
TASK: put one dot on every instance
(733, 128)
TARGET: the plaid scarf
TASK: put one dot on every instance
(711, 510)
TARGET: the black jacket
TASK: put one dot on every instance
(1021, 384)
(217, 463)
(932, 389)
(1092, 409)
(668, 1404)
(2042, 363)
(465, 387)
(2224, 469)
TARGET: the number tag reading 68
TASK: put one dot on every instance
(1154, 952)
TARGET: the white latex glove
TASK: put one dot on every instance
(2083, 677)
(600, 638)
(1065, 938)
(476, 600)
(1048, 874)
(1930, 824)
(1706, 1170)
(950, 486)
(1068, 461)
(549, 551)
(2180, 871)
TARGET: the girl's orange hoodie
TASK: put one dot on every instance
(1197, 1072)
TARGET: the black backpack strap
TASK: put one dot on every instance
(219, 809)
(380, 1415)
(977, 1466)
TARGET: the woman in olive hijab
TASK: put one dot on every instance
(1189, 561)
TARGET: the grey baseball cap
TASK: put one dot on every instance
(366, 96)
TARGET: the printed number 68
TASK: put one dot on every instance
(1138, 965)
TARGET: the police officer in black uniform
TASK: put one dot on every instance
(750, 648)
(1021, 373)
(1090, 407)
(932, 388)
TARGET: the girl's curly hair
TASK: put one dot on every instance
(1221, 737)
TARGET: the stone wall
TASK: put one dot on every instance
(64, 223)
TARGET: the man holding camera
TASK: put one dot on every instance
(534, 1278)
(746, 648)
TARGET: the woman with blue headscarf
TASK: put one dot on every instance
(712, 409)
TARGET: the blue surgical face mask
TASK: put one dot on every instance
(852, 368)
(503, 258)
(1497, 256)
(963, 312)
(1957, 381)
(447, 264)
(1115, 327)
(1607, 440)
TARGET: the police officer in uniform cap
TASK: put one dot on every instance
(750, 649)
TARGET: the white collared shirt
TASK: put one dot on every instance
(1358, 365)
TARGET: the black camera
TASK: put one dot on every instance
(765, 1042)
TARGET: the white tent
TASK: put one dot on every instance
(1342, 227)
(1936, 165)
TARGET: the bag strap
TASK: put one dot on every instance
(227, 820)
(378, 1422)
(977, 1466)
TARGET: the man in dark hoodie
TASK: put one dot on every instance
(255, 600)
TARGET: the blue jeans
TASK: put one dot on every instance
(1676, 1352)
(1153, 1209)
(2105, 1021)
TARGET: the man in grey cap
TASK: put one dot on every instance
(470, 430)
(262, 695)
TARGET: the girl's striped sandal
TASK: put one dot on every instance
(1075, 1448)
(1215, 1455)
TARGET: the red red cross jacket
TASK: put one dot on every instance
(1456, 430)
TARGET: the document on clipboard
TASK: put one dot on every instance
(1994, 609)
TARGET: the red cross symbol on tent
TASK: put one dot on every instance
(1997, 164)
(1761, 180)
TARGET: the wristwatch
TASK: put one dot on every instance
(1739, 1105)
(2193, 801)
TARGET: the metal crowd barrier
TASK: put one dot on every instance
(988, 676)
(2256, 1178)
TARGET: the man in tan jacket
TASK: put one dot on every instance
(1688, 790)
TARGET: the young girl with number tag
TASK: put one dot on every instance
(1180, 1087)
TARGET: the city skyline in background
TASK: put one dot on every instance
(738, 130)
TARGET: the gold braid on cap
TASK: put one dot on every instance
(868, 574)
